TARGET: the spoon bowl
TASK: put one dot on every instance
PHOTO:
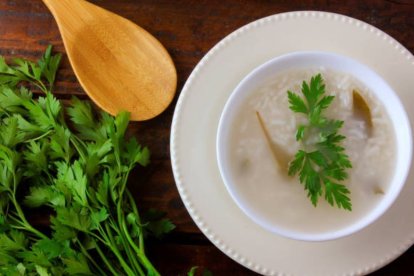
(119, 65)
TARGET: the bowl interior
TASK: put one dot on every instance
(303, 60)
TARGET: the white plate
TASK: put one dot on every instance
(194, 158)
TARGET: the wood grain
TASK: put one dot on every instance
(188, 29)
(119, 65)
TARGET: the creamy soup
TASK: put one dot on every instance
(276, 198)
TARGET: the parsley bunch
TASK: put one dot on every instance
(322, 162)
(73, 163)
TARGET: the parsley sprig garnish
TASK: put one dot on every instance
(73, 163)
(322, 162)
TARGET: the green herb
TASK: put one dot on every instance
(322, 162)
(193, 272)
(72, 163)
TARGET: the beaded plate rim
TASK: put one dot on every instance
(197, 71)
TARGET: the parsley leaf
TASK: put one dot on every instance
(322, 162)
(72, 163)
(155, 224)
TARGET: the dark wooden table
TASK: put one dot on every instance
(188, 29)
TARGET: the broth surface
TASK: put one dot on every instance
(274, 197)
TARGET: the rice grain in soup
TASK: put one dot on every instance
(274, 197)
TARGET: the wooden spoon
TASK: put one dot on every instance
(119, 64)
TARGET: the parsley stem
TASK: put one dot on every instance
(85, 252)
(130, 254)
(139, 250)
(40, 85)
(121, 216)
(105, 260)
(20, 213)
(135, 263)
(124, 239)
(132, 259)
(135, 210)
(98, 238)
(27, 226)
(148, 265)
(115, 250)
(121, 222)
(77, 147)
(39, 137)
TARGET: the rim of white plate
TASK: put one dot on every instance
(214, 237)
